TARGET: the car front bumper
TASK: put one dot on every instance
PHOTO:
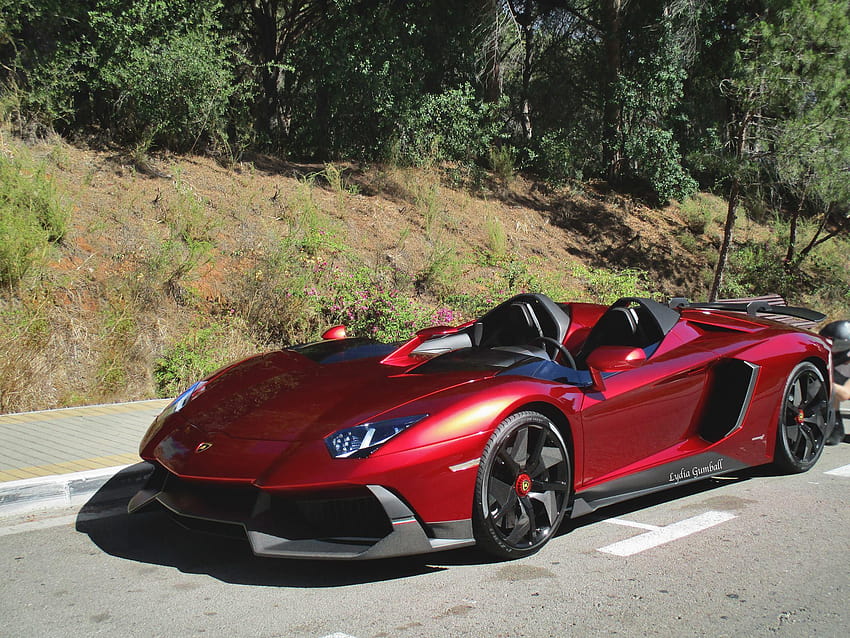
(359, 523)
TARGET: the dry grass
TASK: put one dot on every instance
(190, 249)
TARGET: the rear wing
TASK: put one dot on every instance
(803, 318)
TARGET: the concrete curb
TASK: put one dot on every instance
(67, 490)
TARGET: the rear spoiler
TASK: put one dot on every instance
(752, 308)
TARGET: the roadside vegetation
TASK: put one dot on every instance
(177, 192)
(133, 286)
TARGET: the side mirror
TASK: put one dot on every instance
(337, 332)
(616, 358)
(613, 359)
(435, 331)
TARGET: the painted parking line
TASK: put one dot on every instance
(662, 535)
(840, 471)
(625, 523)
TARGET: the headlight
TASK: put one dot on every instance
(361, 440)
(178, 403)
(175, 406)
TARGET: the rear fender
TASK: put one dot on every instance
(776, 358)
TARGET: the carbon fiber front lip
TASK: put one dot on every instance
(407, 535)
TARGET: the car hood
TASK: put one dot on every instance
(286, 396)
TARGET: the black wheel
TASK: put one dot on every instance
(837, 435)
(523, 486)
(558, 347)
(803, 420)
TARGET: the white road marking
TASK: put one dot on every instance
(625, 523)
(666, 534)
(338, 634)
(840, 471)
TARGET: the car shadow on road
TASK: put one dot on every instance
(153, 537)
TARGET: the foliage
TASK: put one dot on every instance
(648, 95)
(756, 269)
(785, 107)
(173, 92)
(554, 157)
(370, 307)
(154, 73)
(168, 70)
(700, 212)
(452, 125)
(31, 216)
(606, 286)
(503, 162)
(24, 354)
(199, 353)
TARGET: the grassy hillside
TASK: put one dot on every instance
(127, 278)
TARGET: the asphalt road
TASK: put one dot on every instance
(772, 560)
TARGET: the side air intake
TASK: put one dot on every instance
(730, 392)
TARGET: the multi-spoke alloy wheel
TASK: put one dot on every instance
(523, 486)
(802, 420)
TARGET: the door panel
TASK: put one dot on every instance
(644, 412)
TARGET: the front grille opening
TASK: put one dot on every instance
(352, 515)
(357, 514)
(211, 501)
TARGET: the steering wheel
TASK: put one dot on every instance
(560, 347)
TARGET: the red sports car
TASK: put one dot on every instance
(489, 433)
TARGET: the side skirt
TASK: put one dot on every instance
(656, 479)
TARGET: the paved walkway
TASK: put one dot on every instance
(36, 444)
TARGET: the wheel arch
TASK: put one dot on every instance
(821, 366)
(561, 422)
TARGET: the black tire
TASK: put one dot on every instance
(837, 434)
(523, 487)
(803, 420)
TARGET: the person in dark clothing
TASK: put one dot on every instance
(838, 333)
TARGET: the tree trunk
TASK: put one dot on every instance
(525, 20)
(264, 15)
(492, 55)
(815, 241)
(792, 238)
(723, 258)
(612, 25)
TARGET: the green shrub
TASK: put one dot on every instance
(503, 163)
(757, 269)
(695, 215)
(443, 270)
(200, 353)
(447, 126)
(371, 307)
(31, 217)
(497, 240)
(173, 91)
(554, 159)
(606, 286)
(657, 155)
